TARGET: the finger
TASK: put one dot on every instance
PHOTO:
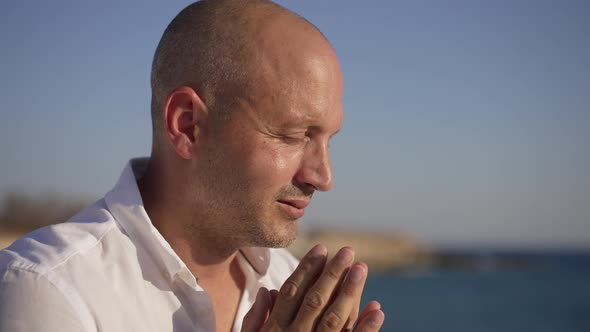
(372, 322)
(371, 306)
(273, 296)
(354, 313)
(257, 315)
(318, 296)
(293, 290)
(337, 314)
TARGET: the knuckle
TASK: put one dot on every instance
(306, 265)
(332, 274)
(289, 289)
(314, 300)
(348, 290)
(332, 321)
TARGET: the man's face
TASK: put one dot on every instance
(268, 159)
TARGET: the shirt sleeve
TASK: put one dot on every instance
(29, 302)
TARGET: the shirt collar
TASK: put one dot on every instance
(258, 258)
(125, 203)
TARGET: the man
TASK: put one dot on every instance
(245, 98)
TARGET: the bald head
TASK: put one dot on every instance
(221, 49)
(246, 96)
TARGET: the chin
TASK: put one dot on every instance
(279, 243)
(277, 237)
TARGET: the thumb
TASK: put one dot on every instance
(257, 315)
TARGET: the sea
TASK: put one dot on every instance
(544, 292)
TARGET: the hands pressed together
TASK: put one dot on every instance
(318, 296)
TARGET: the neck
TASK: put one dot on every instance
(207, 257)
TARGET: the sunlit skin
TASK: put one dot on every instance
(273, 154)
(217, 183)
(244, 181)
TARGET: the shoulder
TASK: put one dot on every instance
(30, 295)
(44, 265)
(49, 247)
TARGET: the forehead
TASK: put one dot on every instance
(299, 93)
(294, 77)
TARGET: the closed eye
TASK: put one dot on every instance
(295, 139)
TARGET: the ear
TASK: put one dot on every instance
(184, 115)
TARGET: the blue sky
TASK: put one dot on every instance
(465, 121)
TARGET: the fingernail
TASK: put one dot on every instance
(356, 273)
(259, 294)
(344, 256)
(377, 318)
(318, 251)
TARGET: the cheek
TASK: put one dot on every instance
(276, 165)
(284, 161)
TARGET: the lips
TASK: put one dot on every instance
(297, 203)
(295, 208)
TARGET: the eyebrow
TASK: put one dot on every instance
(316, 128)
(306, 127)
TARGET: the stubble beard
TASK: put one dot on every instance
(254, 229)
(280, 234)
(239, 220)
(245, 226)
(260, 230)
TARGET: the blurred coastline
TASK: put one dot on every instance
(384, 252)
(21, 213)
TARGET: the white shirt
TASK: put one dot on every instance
(109, 269)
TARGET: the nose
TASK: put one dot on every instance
(316, 169)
